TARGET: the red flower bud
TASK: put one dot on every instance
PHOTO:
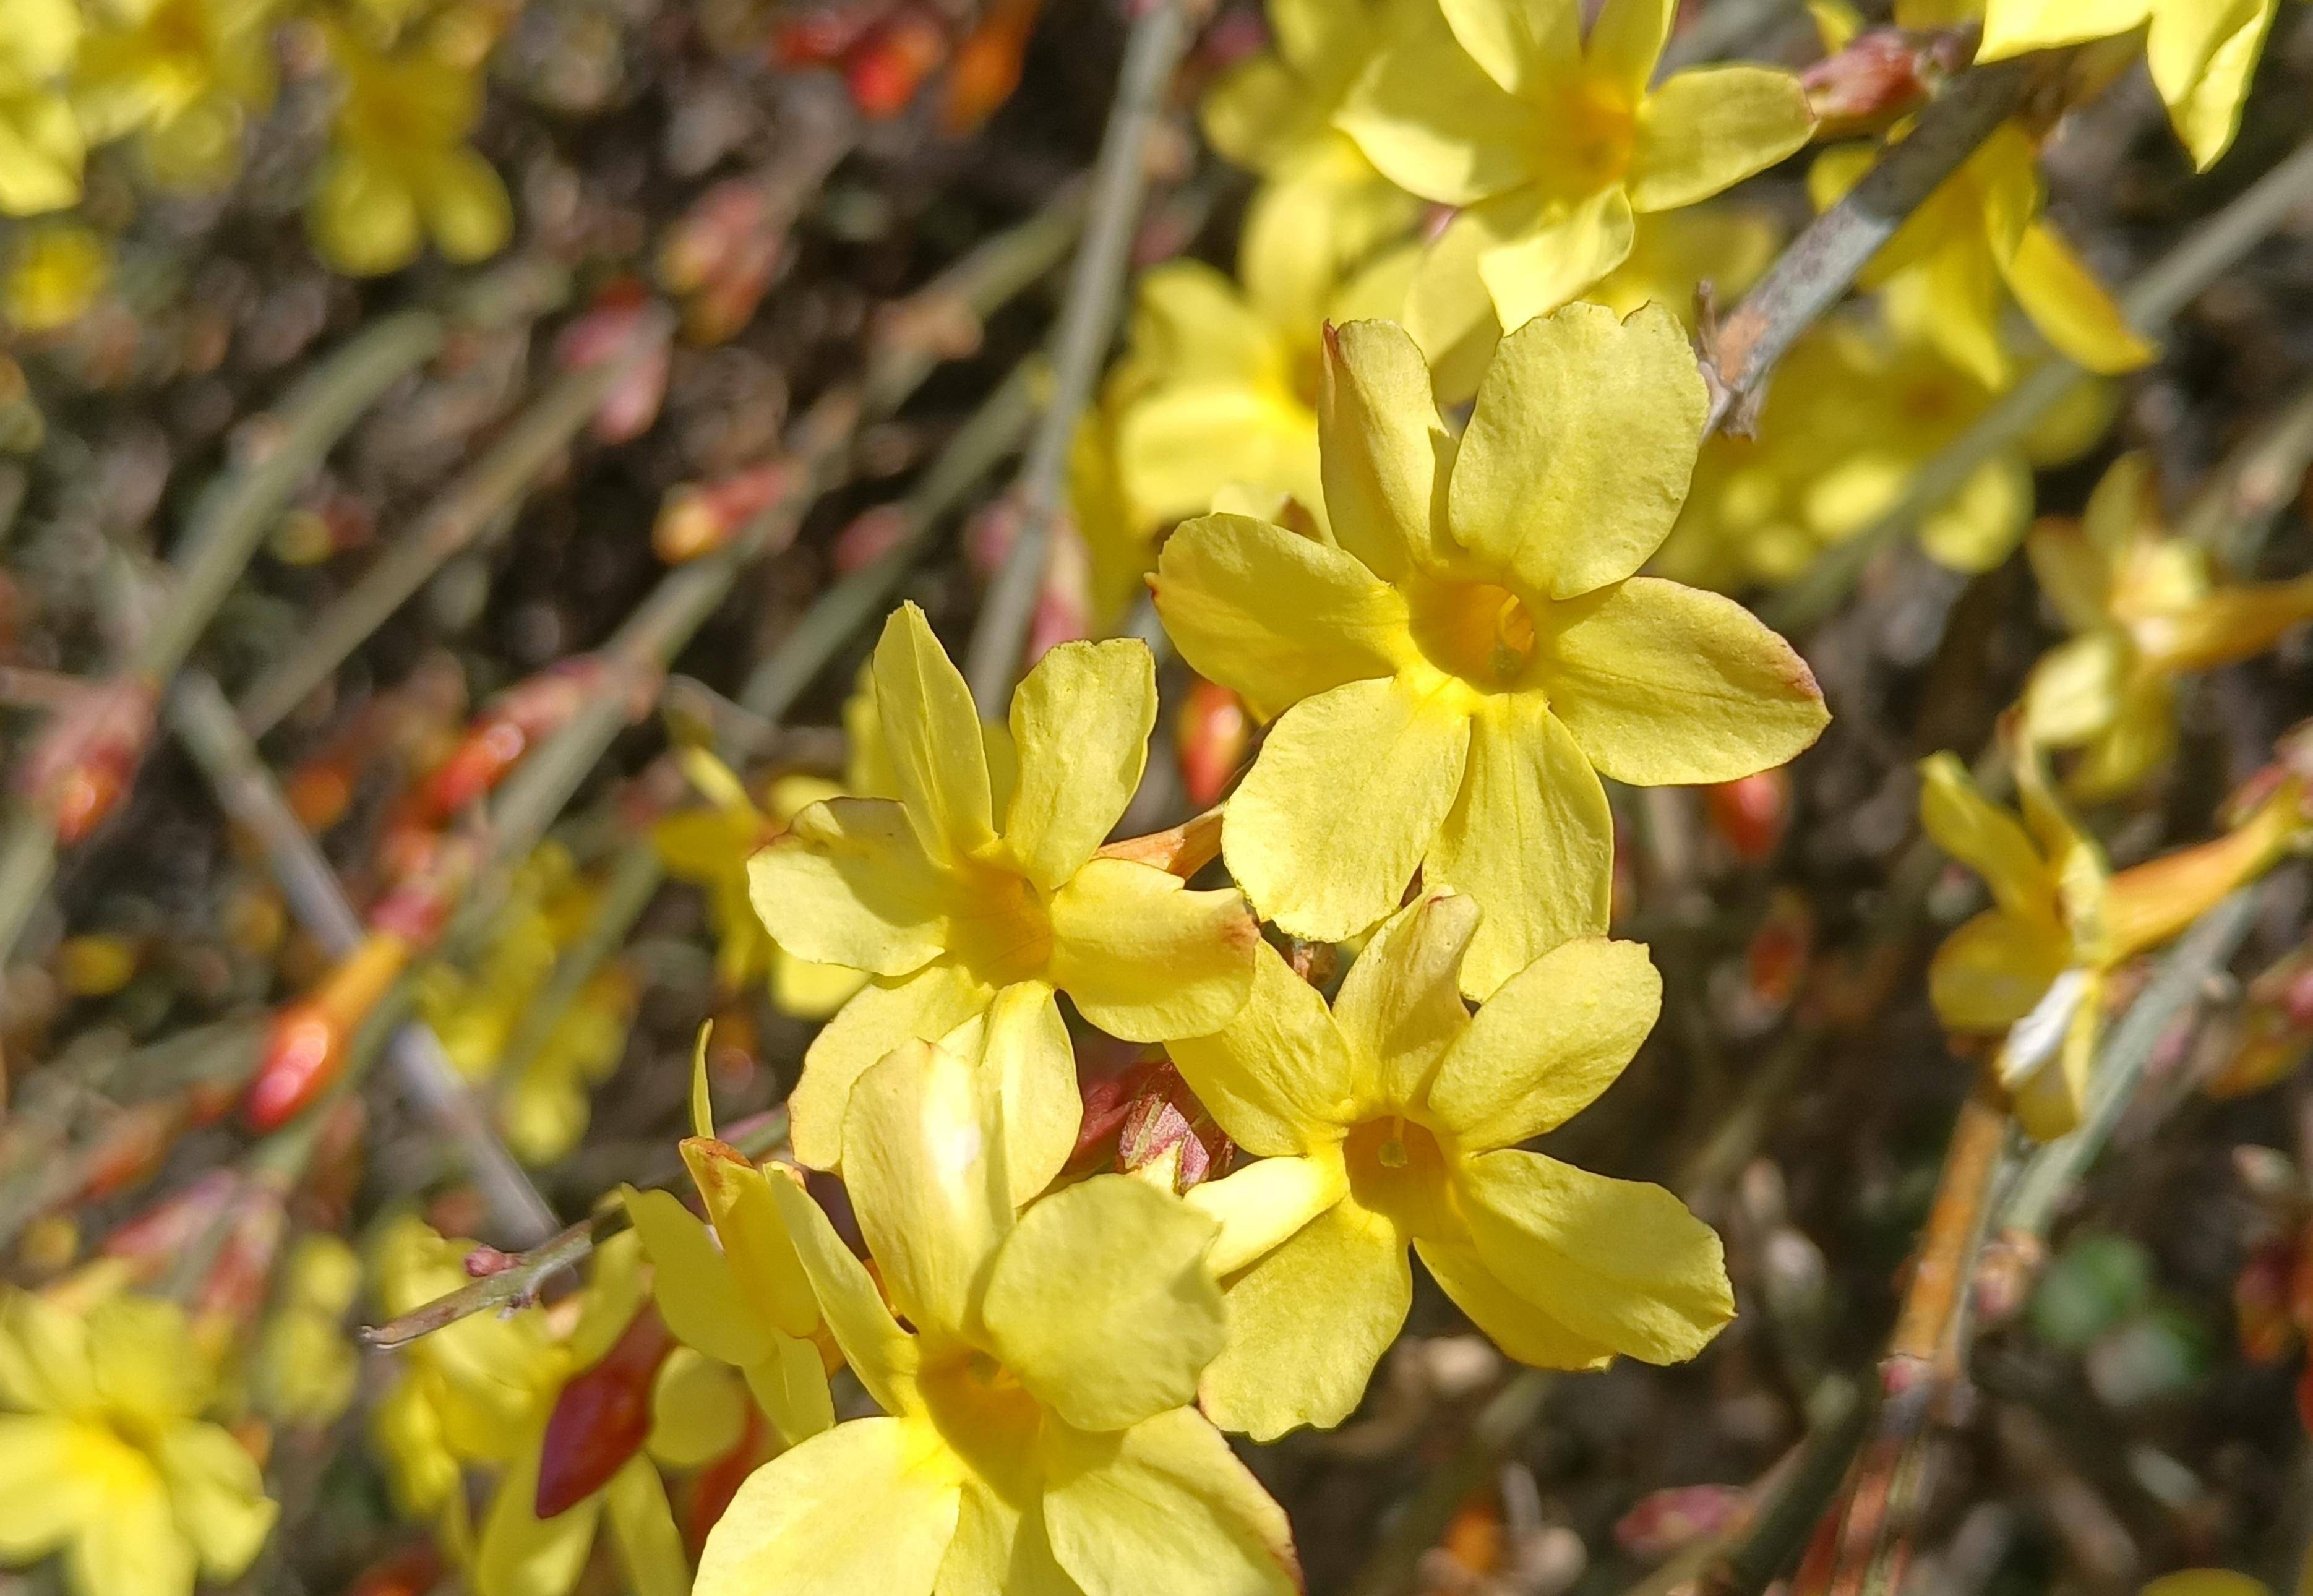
(1211, 733)
(601, 1417)
(306, 1050)
(1751, 812)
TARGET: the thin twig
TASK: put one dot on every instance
(469, 503)
(1080, 343)
(522, 1277)
(2163, 289)
(1771, 1542)
(205, 723)
(1822, 263)
(2236, 507)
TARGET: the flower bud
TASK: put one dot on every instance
(1166, 1137)
(1751, 813)
(85, 758)
(1211, 733)
(600, 1417)
(1881, 76)
(699, 518)
(306, 1049)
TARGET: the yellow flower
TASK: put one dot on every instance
(55, 270)
(400, 169)
(1222, 383)
(1038, 1435)
(955, 918)
(2203, 53)
(40, 140)
(1554, 144)
(104, 1456)
(481, 1392)
(2031, 969)
(1322, 210)
(1980, 239)
(306, 1368)
(710, 847)
(2144, 611)
(1454, 667)
(1393, 1123)
(1857, 405)
(736, 1292)
(183, 75)
(543, 1108)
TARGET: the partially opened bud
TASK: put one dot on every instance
(1882, 75)
(1167, 1137)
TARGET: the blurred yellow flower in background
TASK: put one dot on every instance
(1393, 1122)
(56, 270)
(306, 1369)
(1554, 142)
(41, 144)
(105, 1458)
(183, 77)
(2145, 610)
(1039, 1432)
(400, 170)
(1456, 665)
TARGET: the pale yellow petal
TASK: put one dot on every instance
(217, 1494)
(1178, 446)
(1276, 1078)
(466, 207)
(1434, 123)
(1530, 837)
(849, 884)
(1519, 1328)
(1577, 455)
(879, 1352)
(1399, 1007)
(44, 1361)
(1102, 1303)
(789, 1384)
(132, 1547)
(1145, 958)
(2074, 575)
(931, 736)
(1993, 972)
(2072, 309)
(1350, 789)
(695, 1416)
(2013, 26)
(48, 1500)
(1551, 1039)
(1660, 683)
(691, 1280)
(1626, 42)
(1308, 1323)
(1706, 130)
(1986, 838)
(1080, 725)
(1023, 1050)
(2204, 59)
(1166, 1506)
(1528, 47)
(1275, 617)
(1258, 1207)
(523, 1554)
(920, 1007)
(867, 1506)
(1619, 1262)
(1384, 450)
(1560, 255)
(2074, 691)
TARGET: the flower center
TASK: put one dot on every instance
(1588, 137)
(998, 925)
(983, 1413)
(1396, 1168)
(1475, 630)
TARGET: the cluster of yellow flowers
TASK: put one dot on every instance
(178, 84)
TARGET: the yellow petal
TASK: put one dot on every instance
(1399, 1007)
(217, 1494)
(2205, 1582)
(2203, 59)
(1166, 1506)
(1101, 1302)
(1449, 312)
(757, 1254)
(922, 1169)
(1023, 1050)
(1626, 42)
(1983, 837)
(849, 884)
(2141, 739)
(1080, 723)
(931, 735)
(141, 1353)
(1979, 527)
(1144, 958)
(2070, 308)
(2074, 691)
(2012, 27)
(523, 1554)
(2074, 575)
(879, 1352)
(1528, 47)
(1275, 617)
(44, 1362)
(1551, 1039)
(864, 1507)
(1248, 107)
(1433, 122)
(1706, 130)
(1662, 684)
(695, 1418)
(692, 1281)
(41, 148)
(1577, 455)
(1521, 1329)
(49, 1499)
(133, 1547)
(643, 1534)
(1384, 449)
(809, 991)
(921, 1007)
(1348, 790)
(1548, 258)
(1276, 1078)
(364, 219)
(1619, 1262)
(1194, 325)
(1179, 446)
(1308, 1323)
(1993, 970)
(1261, 1205)
(790, 1386)
(466, 208)
(1000, 1549)
(2232, 623)
(1530, 837)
